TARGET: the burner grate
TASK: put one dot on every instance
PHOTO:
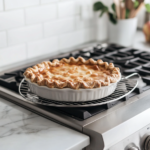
(124, 87)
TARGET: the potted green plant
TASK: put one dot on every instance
(146, 28)
(122, 19)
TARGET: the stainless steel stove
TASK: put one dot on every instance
(119, 125)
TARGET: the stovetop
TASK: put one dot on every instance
(129, 61)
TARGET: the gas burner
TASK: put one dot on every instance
(11, 80)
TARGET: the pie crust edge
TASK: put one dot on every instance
(115, 74)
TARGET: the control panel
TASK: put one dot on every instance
(140, 140)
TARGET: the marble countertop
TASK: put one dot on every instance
(21, 129)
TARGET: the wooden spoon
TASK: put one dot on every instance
(117, 5)
(122, 10)
(130, 5)
(138, 9)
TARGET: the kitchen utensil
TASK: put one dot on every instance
(122, 10)
(117, 6)
(129, 4)
(138, 9)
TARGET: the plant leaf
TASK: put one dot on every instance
(98, 6)
(113, 7)
(102, 12)
(136, 4)
(147, 6)
(105, 9)
(112, 18)
(127, 13)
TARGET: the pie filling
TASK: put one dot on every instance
(73, 73)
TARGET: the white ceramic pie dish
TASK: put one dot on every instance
(71, 95)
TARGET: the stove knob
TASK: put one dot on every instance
(133, 148)
(147, 143)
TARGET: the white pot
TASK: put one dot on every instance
(123, 32)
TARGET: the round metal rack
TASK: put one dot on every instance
(124, 87)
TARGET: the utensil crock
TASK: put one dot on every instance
(123, 32)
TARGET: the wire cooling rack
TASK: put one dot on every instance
(124, 87)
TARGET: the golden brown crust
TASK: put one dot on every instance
(73, 73)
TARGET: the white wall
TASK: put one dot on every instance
(32, 28)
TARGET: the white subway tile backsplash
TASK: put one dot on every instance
(68, 8)
(11, 19)
(12, 4)
(32, 28)
(75, 38)
(3, 40)
(80, 23)
(12, 54)
(59, 27)
(42, 47)
(47, 1)
(89, 34)
(102, 27)
(41, 13)
(83, 23)
(71, 39)
(25, 34)
(1, 5)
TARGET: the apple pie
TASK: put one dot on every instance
(73, 73)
